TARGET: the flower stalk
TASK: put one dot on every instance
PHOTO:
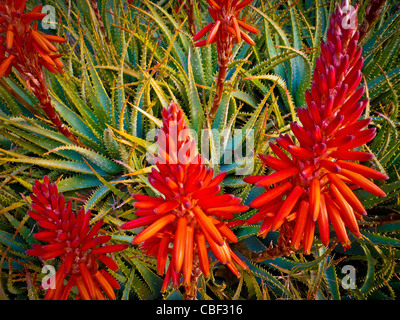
(225, 31)
(188, 6)
(372, 11)
(27, 51)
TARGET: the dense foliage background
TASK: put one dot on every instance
(123, 63)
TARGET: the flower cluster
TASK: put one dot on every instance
(188, 213)
(79, 246)
(28, 51)
(227, 26)
(25, 44)
(315, 178)
(225, 31)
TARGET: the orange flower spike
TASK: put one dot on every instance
(188, 259)
(10, 36)
(363, 182)
(320, 162)
(315, 197)
(184, 209)
(323, 222)
(162, 254)
(179, 244)
(6, 64)
(105, 285)
(154, 228)
(87, 279)
(346, 211)
(207, 226)
(267, 197)
(337, 222)
(287, 207)
(347, 193)
(246, 38)
(301, 220)
(363, 170)
(224, 31)
(203, 255)
(308, 238)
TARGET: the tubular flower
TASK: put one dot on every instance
(314, 179)
(28, 51)
(226, 29)
(78, 245)
(189, 213)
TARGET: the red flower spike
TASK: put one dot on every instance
(188, 214)
(28, 51)
(226, 30)
(320, 174)
(71, 239)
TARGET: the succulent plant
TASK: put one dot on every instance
(130, 65)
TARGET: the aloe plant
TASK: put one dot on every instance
(127, 60)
